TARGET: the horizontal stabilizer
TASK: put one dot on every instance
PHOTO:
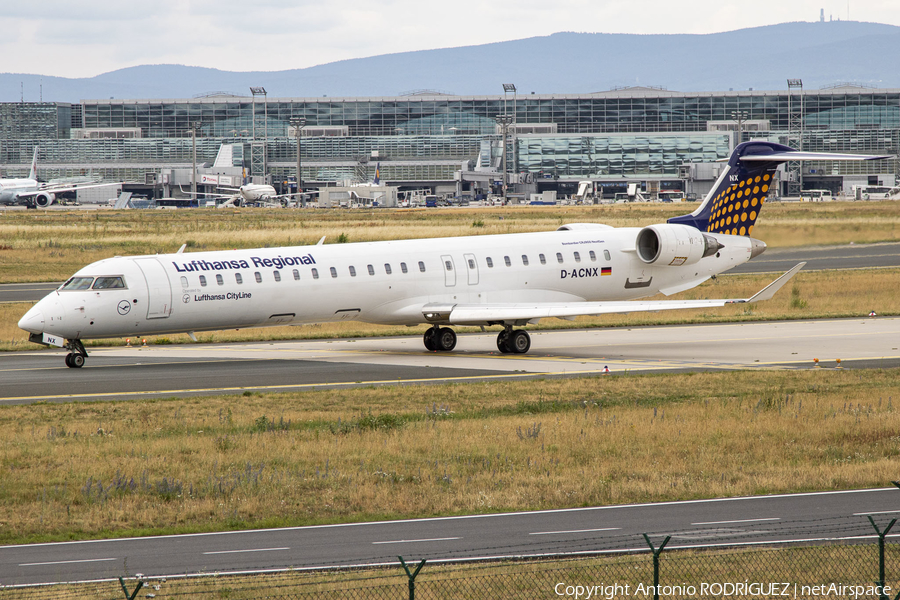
(797, 155)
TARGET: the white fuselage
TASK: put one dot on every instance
(378, 282)
(11, 188)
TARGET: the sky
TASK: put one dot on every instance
(91, 37)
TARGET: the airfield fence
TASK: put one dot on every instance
(852, 557)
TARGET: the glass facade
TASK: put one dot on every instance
(623, 134)
(629, 110)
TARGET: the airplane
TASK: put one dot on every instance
(33, 194)
(507, 280)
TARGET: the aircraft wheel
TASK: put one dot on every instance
(429, 339)
(75, 361)
(446, 339)
(519, 342)
(503, 342)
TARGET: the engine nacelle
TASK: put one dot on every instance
(44, 199)
(674, 245)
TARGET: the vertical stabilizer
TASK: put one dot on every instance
(32, 174)
(733, 205)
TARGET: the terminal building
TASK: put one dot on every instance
(641, 138)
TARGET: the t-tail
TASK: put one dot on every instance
(377, 179)
(733, 205)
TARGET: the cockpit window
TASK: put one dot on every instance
(109, 283)
(78, 283)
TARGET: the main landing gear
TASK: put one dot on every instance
(75, 358)
(440, 339)
(509, 341)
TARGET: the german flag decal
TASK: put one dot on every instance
(605, 271)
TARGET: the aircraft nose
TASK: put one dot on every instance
(32, 321)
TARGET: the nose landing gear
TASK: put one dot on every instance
(75, 358)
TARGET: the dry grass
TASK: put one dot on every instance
(51, 245)
(85, 470)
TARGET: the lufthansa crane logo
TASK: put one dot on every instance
(124, 307)
(186, 298)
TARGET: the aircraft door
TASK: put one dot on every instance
(159, 300)
(471, 268)
(449, 270)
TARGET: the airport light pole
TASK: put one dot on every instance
(297, 123)
(740, 116)
(504, 121)
(195, 125)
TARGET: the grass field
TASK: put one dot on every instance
(83, 470)
(51, 245)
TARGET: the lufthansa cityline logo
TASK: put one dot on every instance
(124, 307)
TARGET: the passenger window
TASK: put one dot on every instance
(333, 273)
(403, 267)
(296, 275)
(449, 265)
(352, 271)
(471, 263)
(117, 283)
(276, 275)
(421, 266)
(203, 280)
(490, 262)
(559, 257)
(258, 276)
(606, 254)
(239, 278)
(387, 268)
(524, 260)
(184, 283)
(507, 261)
(593, 256)
(543, 259)
(577, 257)
(371, 269)
(219, 279)
(315, 273)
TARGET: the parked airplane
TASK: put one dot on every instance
(507, 280)
(33, 194)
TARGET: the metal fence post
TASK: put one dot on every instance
(656, 552)
(133, 595)
(881, 536)
(412, 576)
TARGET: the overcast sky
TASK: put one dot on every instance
(90, 37)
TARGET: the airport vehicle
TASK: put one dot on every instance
(29, 192)
(507, 280)
(817, 195)
(874, 192)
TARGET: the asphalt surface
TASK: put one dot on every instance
(211, 369)
(737, 521)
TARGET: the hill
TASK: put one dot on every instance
(762, 58)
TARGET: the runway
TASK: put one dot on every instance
(789, 518)
(208, 369)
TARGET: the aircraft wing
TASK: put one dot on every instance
(482, 314)
(66, 188)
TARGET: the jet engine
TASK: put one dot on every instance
(44, 199)
(674, 245)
